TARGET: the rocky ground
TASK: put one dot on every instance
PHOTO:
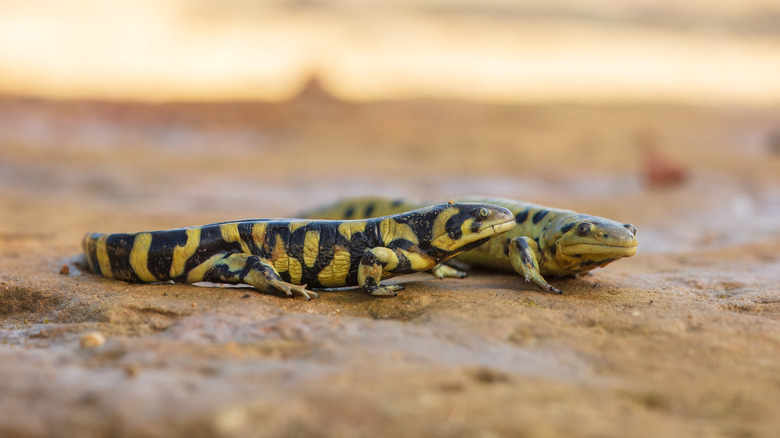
(681, 340)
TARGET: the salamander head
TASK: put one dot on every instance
(587, 242)
(463, 226)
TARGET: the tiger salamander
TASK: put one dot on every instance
(544, 241)
(285, 256)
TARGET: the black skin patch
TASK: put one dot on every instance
(525, 252)
(565, 229)
(404, 265)
(396, 203)
(294, 244)
(539, 216)
(161, 252)
(349, 212)
(454, 223)
(553, 250)
(285, 276)
(423, 232)
(245, 231)
(522, 216)
(325, 253)
(370, 259)
(369, 210)
(118, 247)
(371, 234)
(370, 284)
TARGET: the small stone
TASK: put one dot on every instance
(92, 339)
(64, 270)
(487, 375)
(132, 370)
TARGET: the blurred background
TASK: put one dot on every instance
(496, 50)
(117, 114)
(696, 51)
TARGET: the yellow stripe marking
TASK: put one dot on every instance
(440, 224)
(292, 226)
(182, 253)
(348, 228)
(418, 261)
(386, 256)
(391, 230)
(196, 274)
(236, 263)
(139, 255)
(258, 234)
(311, 247)
(102, 256)
(296, 271)
(279, 256)
(230, 234)
(335, 274)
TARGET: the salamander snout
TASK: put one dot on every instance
(631, 228)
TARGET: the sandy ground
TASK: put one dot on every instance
(681, 340)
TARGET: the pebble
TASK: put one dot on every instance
(91, 340)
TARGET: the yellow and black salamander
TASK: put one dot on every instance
(544, 241)
(283, 256)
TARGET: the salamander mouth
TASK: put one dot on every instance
(599, 249)
(503, 227)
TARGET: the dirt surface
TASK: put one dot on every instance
(681, 340)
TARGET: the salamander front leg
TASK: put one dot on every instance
(523, 256)
(373, 263)
(250, 269)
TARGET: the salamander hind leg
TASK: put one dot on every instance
(250, 269)
(445, 271)
(523, 256)
(372, 264)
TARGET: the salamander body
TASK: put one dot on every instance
(284, 256)
(544, 241)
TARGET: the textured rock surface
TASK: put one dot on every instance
(681, 340)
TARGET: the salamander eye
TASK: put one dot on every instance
(583, 229)
(484, 212)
